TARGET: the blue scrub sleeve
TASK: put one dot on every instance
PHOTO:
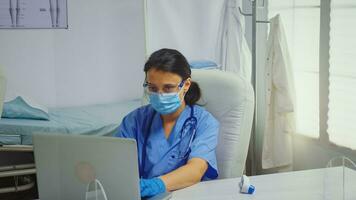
(128, 126)
(204, 144)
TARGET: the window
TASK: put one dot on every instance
(342, 89)
(302, 21)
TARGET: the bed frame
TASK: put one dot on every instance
(20, 172)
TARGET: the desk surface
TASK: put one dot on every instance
(323, 184)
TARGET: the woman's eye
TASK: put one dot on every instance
(152, 89)
(169, 89)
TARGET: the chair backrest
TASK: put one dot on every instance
(2, 88)
(230, 98)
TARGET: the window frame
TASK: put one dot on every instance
(324, 66)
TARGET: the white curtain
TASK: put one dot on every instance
(201, 30)
(233, 53)
(190, 26)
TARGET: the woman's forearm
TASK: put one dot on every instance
(185, 176)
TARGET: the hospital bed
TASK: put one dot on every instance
(228, 96)
(16, 136)
(84, 120)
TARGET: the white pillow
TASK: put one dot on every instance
(2, 88)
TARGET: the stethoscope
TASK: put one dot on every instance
(190, 122)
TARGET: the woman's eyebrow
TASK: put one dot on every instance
(170, 84)
(166, 84)
(151, 84)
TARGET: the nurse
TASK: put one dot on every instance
(176, 138)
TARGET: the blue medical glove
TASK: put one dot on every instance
(151, 187)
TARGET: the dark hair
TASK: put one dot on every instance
(171, 60)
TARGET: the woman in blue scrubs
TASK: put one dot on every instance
(176, 138)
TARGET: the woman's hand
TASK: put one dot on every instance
(151, 187)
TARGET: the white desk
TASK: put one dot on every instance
(302, 185)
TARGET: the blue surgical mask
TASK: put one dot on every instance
(165, 103)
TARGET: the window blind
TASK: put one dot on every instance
(342, 90)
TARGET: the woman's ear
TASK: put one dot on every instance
(187, 84)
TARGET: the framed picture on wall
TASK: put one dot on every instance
(23, 14)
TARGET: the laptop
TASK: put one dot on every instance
(87, 167)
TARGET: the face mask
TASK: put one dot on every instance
(165, 103)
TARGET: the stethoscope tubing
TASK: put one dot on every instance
(192, 118)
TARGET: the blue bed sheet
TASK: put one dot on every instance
(86, 120)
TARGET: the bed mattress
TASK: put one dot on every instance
(85, 120)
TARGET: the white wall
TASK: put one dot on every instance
(98, 59)
(28, 60)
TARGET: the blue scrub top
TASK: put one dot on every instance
(162, 155)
